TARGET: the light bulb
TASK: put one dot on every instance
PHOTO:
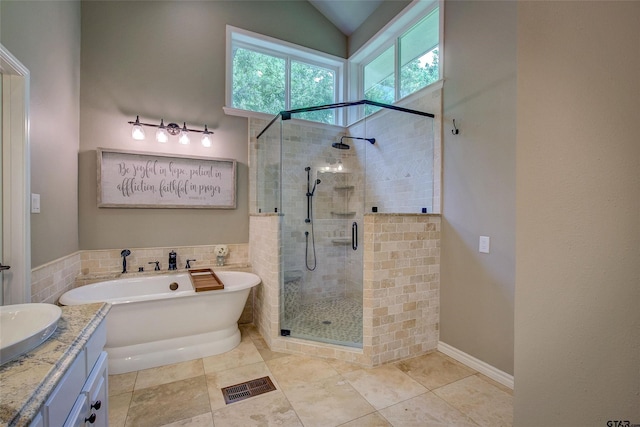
(206, 139)
(137, 132)
(184, 135)
(161, 133)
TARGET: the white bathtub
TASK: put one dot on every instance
(150, 325)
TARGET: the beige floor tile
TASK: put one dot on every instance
(294, 370)
(122, 383)
(483, 402)
(204, 420)
(343, 367)
(118, 408)
(169, 373)
(269, 409)
(229, 377)
(425, 410)
(384, 385)
(249, 330)
(244, 354)
(502, 387)
(168, 403)
(327, 402)
(371, 420)
(265, 351)
(434, 370)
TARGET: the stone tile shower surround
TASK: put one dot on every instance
(401, 289)
(401, 285)
(51, 280)
(400, 173)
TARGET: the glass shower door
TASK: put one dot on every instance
(322, 232)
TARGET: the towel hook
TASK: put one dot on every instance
(455, 130)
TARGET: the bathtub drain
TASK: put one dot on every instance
(247, 389)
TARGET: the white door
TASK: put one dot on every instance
(15, 240)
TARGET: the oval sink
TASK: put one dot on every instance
(23, 327)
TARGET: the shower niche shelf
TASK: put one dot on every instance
(343, 213)
(341, 241)
(344, 187)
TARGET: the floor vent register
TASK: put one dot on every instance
(248, 389)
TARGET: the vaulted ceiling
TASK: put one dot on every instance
(347, 15)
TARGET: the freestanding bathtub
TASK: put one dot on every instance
(151, 325)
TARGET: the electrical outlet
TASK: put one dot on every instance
(484, 245)
(35, 203)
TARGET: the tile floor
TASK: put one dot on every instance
(430, 390)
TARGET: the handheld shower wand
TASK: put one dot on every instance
(124, 254)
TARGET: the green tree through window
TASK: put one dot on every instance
(259, 84)
(258, 81)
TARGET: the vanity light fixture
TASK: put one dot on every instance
(184, 135)
(171, 129)
(206, 138)
(137, 132)
(161, 134)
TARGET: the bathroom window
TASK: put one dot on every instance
(258, 81)
(266, 75)
(402, 60)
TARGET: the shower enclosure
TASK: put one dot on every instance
(322, 180)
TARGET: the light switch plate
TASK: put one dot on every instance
(484, 245)
(35, 203)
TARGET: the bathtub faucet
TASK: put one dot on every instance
(124, 254)
(189, 263)
(173, 260)
(157, 263)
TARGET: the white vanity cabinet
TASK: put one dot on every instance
(80, 397)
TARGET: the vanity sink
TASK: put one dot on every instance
(24, 327)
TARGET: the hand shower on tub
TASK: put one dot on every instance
(309, 220)
(124, 254)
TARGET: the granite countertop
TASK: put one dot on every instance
(27, 382)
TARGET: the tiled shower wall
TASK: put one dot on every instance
(333, 205)
(403, 166)
(401, 286)
(264, 244)
(399, 174)
(401, 289)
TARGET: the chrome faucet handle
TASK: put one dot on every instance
(189, 263)
(157, 263)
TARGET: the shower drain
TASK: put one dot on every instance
(247, 389)
(326, 322)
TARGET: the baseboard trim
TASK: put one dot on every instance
(477, 364)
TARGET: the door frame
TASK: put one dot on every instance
(16, 250)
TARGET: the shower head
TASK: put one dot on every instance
(340, 145)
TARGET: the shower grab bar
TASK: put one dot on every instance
(354, 236)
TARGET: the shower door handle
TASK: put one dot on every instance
(354, 236)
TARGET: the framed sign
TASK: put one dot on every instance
(129, 179)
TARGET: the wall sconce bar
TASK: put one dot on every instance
(163, 132)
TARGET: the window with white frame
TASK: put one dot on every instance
(404, 63)
(268, 76)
